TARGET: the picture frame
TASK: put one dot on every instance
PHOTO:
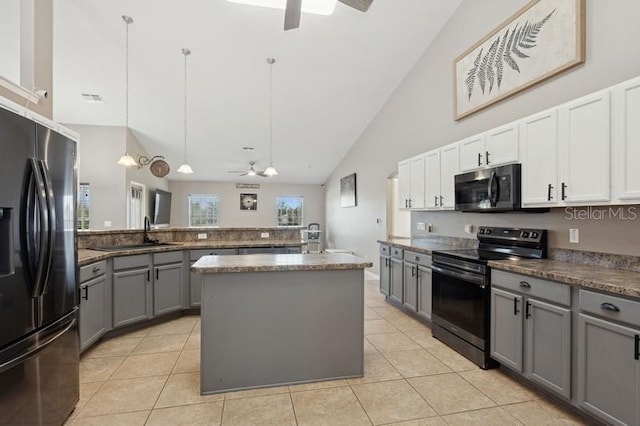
(542, 39)
(348, 191)
(248, 201)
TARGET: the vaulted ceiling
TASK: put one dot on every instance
(331, 77)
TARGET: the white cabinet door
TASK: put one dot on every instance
(625, 116)
(472, 153)
(417, 182)
(449, 167)
(585, 149)
(432, 179)
(539, 147)
(404, 183)
(501, 145)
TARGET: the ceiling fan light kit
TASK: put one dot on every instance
(185, 167)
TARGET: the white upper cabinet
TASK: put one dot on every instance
(432, 179)
(404, 183)
(539, 149)
(585, 145)
(625, 115)
(411, 182)
(449, 168)
(493, 148)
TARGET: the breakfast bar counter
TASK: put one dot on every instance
(277, 319)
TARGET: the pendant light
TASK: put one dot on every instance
(185, 167)
(271, 171)
(127, 160)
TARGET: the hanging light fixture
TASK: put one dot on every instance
(127, 160)
(185, 167)
(271, 171)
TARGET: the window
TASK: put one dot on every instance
(136, 202)
(84, 202)
(203, 210)
(289, 211)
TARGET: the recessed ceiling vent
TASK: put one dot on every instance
(92, 98)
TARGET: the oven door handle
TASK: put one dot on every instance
(478, 280)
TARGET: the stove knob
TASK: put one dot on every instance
(524, 234)
(534, 235)
(488, 231)
(481, 231)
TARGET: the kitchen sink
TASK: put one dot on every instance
(133, 246)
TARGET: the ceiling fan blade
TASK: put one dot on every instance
(292, 14)
(261, 174)
(361, 5)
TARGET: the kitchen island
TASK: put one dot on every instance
(280, 319)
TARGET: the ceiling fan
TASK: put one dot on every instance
(294, 9)
(251, 171)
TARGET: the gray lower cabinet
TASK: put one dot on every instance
(385, 274)
(93, 304)
(417, 283)
(424, 292)
(410, 286)
(167, 288)
(132, 290)
(195, 280)
(395, 283)
(293, 249)
(529, 335)
(609, 358)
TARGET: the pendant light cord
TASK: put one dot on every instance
(185, 52)
(271, 61)
(127, 21)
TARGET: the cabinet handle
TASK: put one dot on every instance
(609, 307)
(95, 269)
(486, 156)
(525, 284)
(515, 306)
(527, 314)
(549, 188)
(564, 189)
(410, 202)
(86, 293)
(479, 159)
(435, 201)
(148, 275)
(417, 272)
(637, 348)
(157, 273)
(413, 271)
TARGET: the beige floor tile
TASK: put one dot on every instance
(156, 344)
(407, 323)
(424, 338)
(184, 389)
(193, 342)
(140, 332)
(495, 416)
(250, 393)
(453, 359)
(318, 385)
(449, 393)
(121, 396)
(370, 314)
(376, 303)
(376, 369)
(378, 326)
(498, 386)
(416, 363)
(541, 412)
(262, 410)
(183, 325)
(387, 311)
(392, 342)
(188, 362)
(87, 390)
(394, 401)
(187, 415)
(335, 406)
(146, 365)
(98, 369)
(118, 346)
(429, 421)
(369, 348)
(136, 418)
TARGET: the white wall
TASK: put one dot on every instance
(419, 115)
(230, 214)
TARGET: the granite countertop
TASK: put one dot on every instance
(87, 255)
(618, 281)
(279, 262)
(420, 245)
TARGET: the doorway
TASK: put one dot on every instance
(398, 221)
(136, 203)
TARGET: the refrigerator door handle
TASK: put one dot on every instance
(51, 226)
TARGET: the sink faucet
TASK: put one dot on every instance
(145, 234)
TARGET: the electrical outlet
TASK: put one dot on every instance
(264, 235)
(422, 226)
(107, 224)
(574, 235)
(468, 228)
(202, 236)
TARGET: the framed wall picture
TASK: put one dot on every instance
(348, 191)
(542, 39)
(248, 201)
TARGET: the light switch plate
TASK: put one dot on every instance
(107, 224)
(422, 226)
(574, 235)
(202, 236)
(264, 235)
(468, 228)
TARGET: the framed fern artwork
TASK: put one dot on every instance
(542, 39)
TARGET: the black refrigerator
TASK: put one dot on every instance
(39, 346)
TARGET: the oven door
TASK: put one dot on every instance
(496, 189)
(461, 304)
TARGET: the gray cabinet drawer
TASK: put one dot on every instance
(168, 257)
(612, 307)
(533, 287)
(128, 262)
(92, 271)
(396, 252)
(417, 258)
(385, 250)
(197, 254)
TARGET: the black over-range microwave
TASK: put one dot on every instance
(490, 190)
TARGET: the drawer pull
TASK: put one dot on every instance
(527, 314)
(610, 307)
(525, 284)
(86, 293)
(636, 356)
(515, 306)
(417, 258)
(96, 269)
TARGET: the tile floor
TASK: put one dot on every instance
(151, 377)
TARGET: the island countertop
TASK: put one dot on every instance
(279, 262)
